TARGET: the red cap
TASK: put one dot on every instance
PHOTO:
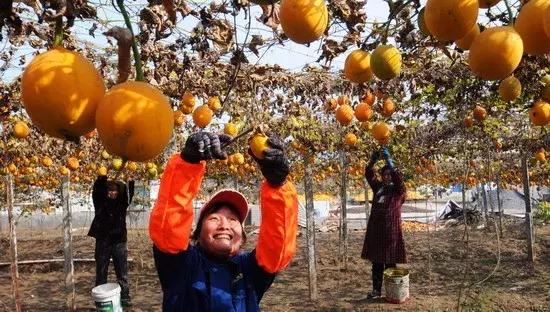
(236, 199)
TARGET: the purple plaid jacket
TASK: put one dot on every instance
(384, 238)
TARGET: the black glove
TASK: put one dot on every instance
(274, 165)
(204, 146)
(374, 157)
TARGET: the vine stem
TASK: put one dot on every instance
(58, 36)
(135, 50)
(510, 14)
(238, 66)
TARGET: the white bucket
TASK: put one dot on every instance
(396, 283)
(107, 297)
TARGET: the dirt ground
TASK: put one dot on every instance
(438, 266)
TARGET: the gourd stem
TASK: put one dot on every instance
(137, 57)
(58, 36)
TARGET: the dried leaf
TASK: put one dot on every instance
(7, 16)
(256, 41)
(124, 40)
(270, 15)
(92, 30)
(219, 8)
(169, 7)
(221, 32)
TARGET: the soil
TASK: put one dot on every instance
(440, 264)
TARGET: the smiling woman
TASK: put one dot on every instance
(213, 274)
(219, 230)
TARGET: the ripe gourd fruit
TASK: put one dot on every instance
(540, 113)
(363, 111)
(381, 132)
(134, 121)
(509, 89)
(495, 53)
(258, 144)
(530, 26)
(350, 139)
(450, 20)
(21, 130)
(231, 129)
(344, 114)
(60, 90)
(357, 66)
(388, 108)
(303, 21)
(480, 113)
(465, 42)
(385, 62)
(202, 116)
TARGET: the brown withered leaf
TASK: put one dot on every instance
(221, 32)
(240, 4)
(256, 41)
(238, 57)
(219, 8)
(184, 9)
(9, 17)
(124, 40)
(169, 7)
(350, 11)
(331, 49)
(92, 30)
(270, 15)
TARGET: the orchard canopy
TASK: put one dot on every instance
(114, 87)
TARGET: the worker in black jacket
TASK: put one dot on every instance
(111, 200)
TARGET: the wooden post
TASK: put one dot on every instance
(485, 205)
(310, 231)
(492, 204)
(479, 194)
(343, 212)
(68, 245)
(464, 214)
(528, 215)
(499, 203)
(13, 243)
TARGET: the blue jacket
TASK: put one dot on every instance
(192, 282)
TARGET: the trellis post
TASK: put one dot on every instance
(310, 229)
(68, 244)
(13, 243)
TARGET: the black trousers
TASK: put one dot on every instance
(378, 274)
(106, 249)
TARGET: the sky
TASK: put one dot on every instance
(290, 56)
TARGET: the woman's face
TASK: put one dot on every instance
(221, 234)
(112, 193)
(386, 177)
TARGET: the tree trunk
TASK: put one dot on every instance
(310, 231)
(464, 212)
(499, 203)
(485, 206)
(528, 215)
(343, 209)
(13, 243)
(479, 203)
(68, 245)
